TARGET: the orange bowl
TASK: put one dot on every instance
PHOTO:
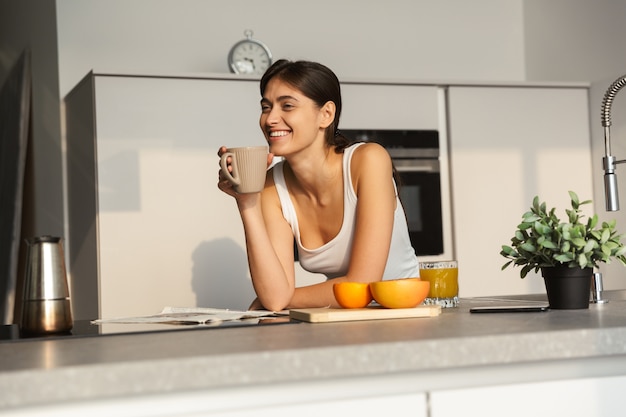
(400, 293)
(352, 294)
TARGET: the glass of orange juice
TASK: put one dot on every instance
(444, 282)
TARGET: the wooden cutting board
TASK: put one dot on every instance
(326, 315)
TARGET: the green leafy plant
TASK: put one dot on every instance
(542, 240)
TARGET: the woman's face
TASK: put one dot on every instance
(290, 120)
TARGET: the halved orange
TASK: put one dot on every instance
(352, 294)
(400, 293)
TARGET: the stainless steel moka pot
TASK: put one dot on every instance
(46, 298)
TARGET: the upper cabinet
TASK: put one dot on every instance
(148, 226)
(508, 144)
(389, 106)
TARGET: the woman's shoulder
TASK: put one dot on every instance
(270, 192)
(369, 160)
(370, 152)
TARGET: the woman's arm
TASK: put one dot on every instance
(269, 243)
(372, 176)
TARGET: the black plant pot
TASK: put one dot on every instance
(567, 288)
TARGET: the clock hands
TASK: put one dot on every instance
(246, 66)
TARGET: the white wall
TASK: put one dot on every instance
(418, 39)
(574, 40)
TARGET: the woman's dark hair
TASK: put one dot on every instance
(318, 83)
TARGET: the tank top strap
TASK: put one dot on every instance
(289, 211)
(349, 193)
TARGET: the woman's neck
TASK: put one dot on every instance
(315, 173)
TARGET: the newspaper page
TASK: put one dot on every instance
(194, 316)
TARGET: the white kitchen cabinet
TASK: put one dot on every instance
(508, 144)
(308, 399)
(572, 398)
(400, 405)
(160, 232)
(390, 106)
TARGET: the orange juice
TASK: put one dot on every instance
(444, 283)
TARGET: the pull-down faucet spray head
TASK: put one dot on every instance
(610, 184)
(609, 161)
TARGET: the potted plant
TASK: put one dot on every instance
(565, 252)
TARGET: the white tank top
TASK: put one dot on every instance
(333, 258)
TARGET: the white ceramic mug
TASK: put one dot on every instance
(249, 165)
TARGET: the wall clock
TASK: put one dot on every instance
(249, 56)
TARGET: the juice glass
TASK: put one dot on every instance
(444, 282)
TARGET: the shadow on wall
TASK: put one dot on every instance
(220, 276)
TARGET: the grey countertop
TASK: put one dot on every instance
(89, 368)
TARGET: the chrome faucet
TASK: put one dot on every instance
(609, 161)
(596, 289)
(610, 179)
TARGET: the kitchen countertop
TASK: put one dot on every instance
(439, 351)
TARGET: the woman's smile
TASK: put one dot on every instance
(279, 133)
(287, 114)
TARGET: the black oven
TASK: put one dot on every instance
(415, 154)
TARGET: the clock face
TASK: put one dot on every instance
(249, 57)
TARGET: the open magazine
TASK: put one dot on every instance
(194, 316)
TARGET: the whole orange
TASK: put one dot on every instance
(352, 294)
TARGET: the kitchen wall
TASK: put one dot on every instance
(424, 39)
(574, 40)
(483, 40)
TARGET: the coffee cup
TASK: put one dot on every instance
(249, 165)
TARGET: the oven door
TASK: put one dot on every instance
(420, 193)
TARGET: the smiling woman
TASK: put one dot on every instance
(337, 198)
